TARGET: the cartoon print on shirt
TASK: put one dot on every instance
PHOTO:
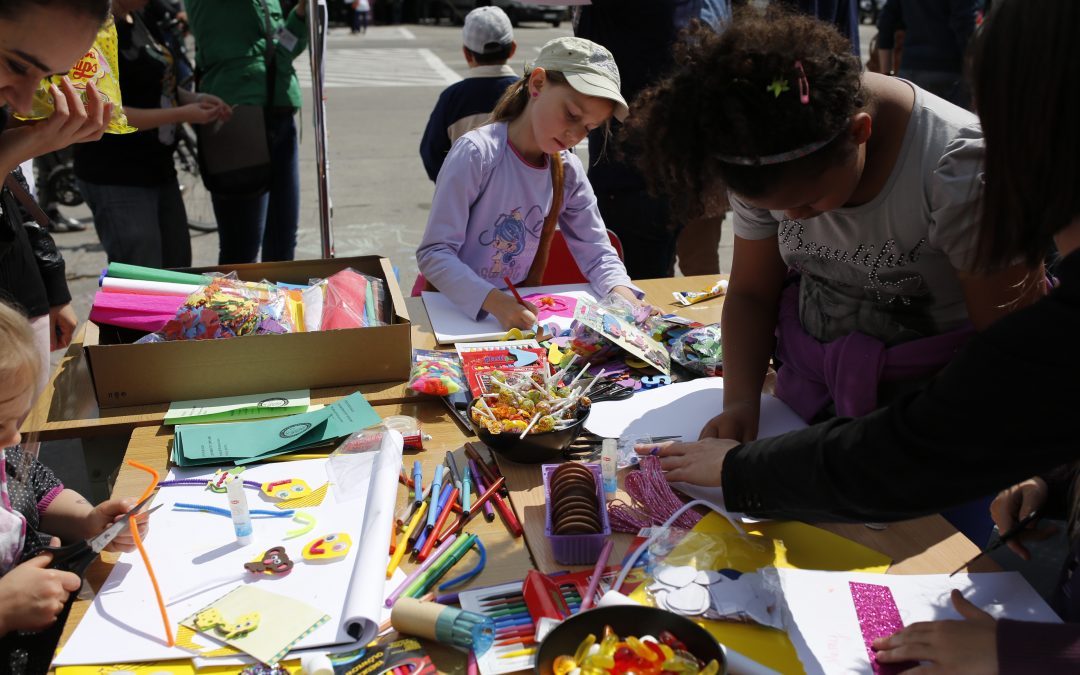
(509, 239)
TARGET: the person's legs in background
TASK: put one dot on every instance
(240, 221)
(643, 224)
(283, 217)
(698, 246)
(173, 225)
(44, 166)
(363, 22)
(125, 218)
(355, 20)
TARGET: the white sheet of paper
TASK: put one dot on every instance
(196, 559)
(824, 628)
(682, 409)
(452, 325)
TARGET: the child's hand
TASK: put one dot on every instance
(32, 596)
(108, 512)
(739, 421)
(968, 646)
(509, 312)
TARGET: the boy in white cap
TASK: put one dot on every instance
(488, 43)
(506, 185)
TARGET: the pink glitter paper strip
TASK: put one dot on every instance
(878, 617)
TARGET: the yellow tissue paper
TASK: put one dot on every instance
(775, 544)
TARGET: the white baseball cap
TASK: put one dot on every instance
(588, 67)
(487, 30)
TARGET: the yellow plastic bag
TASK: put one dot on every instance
(99, 66)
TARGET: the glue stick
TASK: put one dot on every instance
(238, 506)
(609, 455)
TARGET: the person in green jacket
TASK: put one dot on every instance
(230, 62)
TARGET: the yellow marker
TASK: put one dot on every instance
(399, 553)
(520, 652)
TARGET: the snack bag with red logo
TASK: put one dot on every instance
(98, 65)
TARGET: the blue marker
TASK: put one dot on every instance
(417, 480)
(436, 491)
(466, 491)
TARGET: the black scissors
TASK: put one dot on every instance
(77, 556)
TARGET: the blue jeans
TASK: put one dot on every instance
(269, 220)
(141, 225)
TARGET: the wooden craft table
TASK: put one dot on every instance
(926, 545)
(68, 409)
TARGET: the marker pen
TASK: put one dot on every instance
(238, 506)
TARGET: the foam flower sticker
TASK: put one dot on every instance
(778, 87)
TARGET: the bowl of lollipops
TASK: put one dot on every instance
(528, 418)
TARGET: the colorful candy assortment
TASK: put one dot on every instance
(437, 373)
(535, 403)
(643, 656)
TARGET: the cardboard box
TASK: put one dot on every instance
(129, 374)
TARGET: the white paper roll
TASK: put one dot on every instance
(139, 286)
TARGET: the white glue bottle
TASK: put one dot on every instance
(609, 456)
(238, 505)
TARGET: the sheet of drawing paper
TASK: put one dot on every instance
(237, 408)
(682, 409)
(823, 622)
(196, 559)
(452, 325)
(202, 663)
(283, 621)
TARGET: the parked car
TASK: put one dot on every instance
(517, 11)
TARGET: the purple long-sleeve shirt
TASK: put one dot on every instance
(486, 218)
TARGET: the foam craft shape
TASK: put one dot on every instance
(328, 547)
(147, 313)
(289, 488)
(223, 476)
(812, 547)
(312, 499)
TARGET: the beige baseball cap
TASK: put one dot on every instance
(588, 67)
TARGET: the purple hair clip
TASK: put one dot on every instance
(804, 85)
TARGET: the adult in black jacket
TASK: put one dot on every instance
(1003, 412)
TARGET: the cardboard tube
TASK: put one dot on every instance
(413, 617)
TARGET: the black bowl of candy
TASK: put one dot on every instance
(629, 638)
(547, 434)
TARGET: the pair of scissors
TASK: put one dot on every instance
(77, 556)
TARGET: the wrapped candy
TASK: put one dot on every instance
(98, 65)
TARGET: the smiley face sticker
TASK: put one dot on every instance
(290, 488)
(328, 547)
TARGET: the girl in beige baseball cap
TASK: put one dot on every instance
(506, 187)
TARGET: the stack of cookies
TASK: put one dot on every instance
(575, 508)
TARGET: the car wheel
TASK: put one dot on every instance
(556, 24)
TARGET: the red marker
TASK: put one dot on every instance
(517, 296)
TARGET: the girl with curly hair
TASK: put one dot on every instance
(854, 198)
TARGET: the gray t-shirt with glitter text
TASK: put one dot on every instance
(888, 268)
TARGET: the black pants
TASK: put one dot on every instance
(643, 224)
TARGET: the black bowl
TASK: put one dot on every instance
(534, 448)
(625, 620)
